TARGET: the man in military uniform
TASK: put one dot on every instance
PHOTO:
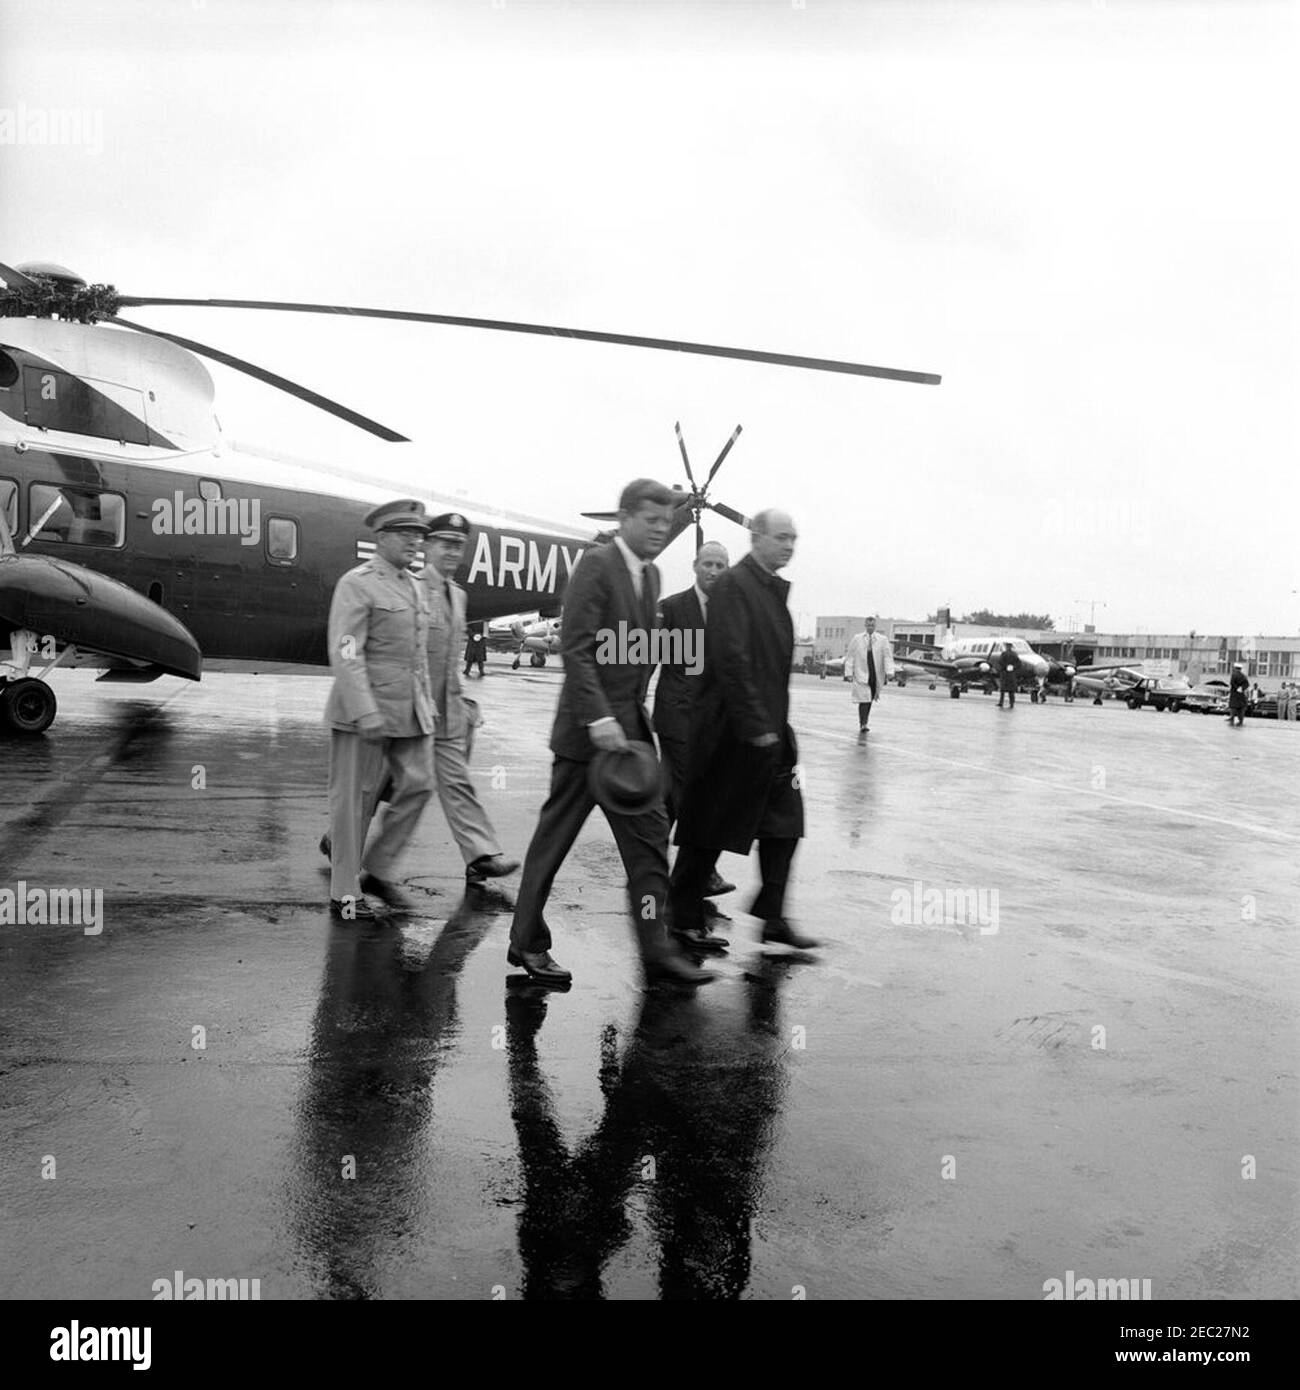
(476, 648)
(380, 711)
(1008, 668)
(458, 714)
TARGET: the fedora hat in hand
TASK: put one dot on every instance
(627, 781)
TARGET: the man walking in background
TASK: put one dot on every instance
(1008, 668)
(868, 663)
(476, 648)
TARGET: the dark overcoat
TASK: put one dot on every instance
(735, 792)
(677, 688)
(598, 598)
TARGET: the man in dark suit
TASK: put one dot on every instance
(679, 683)
(742, 783)
(601, 708)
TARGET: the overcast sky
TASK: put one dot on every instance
(1082, 215)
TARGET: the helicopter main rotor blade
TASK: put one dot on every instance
(303, 393)
(776, 359)
(15, 279)
(726, 449)
(681, 444)
(731, 514)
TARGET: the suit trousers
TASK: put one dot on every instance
(460, 804)
(358, 771)
(642, 843)
(672, 752)
(691, 876)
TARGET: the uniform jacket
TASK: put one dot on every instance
(385, 668)
(600, 596)
(733, 789)
(1238, 687)
(446, 640)
(675, 694)
(857, 670)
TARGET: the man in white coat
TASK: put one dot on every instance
(868, 663)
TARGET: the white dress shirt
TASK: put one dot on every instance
(635, 564)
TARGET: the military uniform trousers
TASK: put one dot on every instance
(358, 771)
(460, 804)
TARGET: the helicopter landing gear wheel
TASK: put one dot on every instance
(27, 706)
(537, 659)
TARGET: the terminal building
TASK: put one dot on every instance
(1267, 660)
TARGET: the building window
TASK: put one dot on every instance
(281, 540)
(76, 516)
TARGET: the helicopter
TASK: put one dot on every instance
(135, 538)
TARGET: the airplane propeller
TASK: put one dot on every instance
(46, 289)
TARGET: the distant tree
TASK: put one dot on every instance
(985, 618)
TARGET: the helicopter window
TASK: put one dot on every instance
(60, 401)
(76, 516)
(9, 503)
(8, 371)
(281, 539)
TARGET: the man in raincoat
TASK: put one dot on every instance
(868, 663)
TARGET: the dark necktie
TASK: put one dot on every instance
(649, 576)
(871, 668)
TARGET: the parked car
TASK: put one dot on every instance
(1160, 692)
(1210, 697)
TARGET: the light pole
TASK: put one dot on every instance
(1092, 610)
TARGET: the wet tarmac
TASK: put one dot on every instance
(1092, 1070)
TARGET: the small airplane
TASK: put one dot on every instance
(971, 661)
(532, 634)
(1099, 681)
(135, 538)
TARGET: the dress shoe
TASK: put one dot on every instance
(357, 910)
(718, 886)
(489, 866)
(700, 939)
(862, 735)
(387, 892)
(671, 967)
(541, 966)
(776, 930)
(326, 845)
(711, 912)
